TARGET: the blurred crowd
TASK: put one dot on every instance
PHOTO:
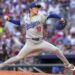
(12, 38)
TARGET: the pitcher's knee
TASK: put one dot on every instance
(56, 50)
(19, 57)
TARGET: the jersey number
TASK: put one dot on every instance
(38, 28)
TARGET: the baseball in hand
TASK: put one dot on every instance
(6, 17)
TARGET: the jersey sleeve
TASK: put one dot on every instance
(43, 18)
(54, 16)
(47, 16)
(16, 22)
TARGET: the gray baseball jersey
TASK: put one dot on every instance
(34, 25)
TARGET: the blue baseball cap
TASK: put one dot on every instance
(34, 4)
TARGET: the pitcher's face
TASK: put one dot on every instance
(34, 10)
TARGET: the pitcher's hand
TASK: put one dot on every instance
(6, 18)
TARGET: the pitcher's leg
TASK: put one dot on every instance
(51, 48)
(24, 51)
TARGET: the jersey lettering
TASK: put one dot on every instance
(32, 25)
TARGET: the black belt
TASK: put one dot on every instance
(36, 39)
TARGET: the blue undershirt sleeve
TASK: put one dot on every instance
(17, 22)
(54, 16)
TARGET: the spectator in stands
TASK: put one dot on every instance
(3, 52)
(54, 7)
(13, 50)
(73, 48)
(67, 46)
(57, 34)
(56, 70)
(1, 27)
(71, 36)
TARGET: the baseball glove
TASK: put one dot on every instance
(60, 25)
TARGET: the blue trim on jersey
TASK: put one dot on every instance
(54, 16)
(17, 22)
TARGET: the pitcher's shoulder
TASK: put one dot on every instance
(42, 15)
(25, 15)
